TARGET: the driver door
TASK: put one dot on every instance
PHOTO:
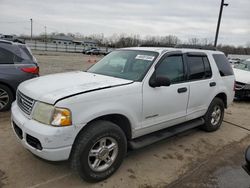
(166, 105)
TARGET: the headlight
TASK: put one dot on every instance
(43, 112)
(61, 117)
(50, 115)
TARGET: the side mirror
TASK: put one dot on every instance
(158, 81)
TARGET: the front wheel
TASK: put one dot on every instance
(98, 151)
(214, 115)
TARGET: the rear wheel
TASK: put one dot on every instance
(6, 98)
(214, 116)
(98, 151)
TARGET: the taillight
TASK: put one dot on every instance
(32, 70)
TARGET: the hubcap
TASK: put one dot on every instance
(216, 115)
(103, 154)
(4, 98)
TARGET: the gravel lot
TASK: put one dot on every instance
(191, 159)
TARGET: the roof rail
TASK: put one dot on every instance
(200, 47)
(5, 41)
(19, 41)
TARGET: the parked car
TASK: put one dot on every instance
(129, 99)
(83, 51)
(242, 76)
(93, 52)
(247, 158)
(17, 64)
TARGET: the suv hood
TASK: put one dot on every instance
(53, 87)
(242, 76)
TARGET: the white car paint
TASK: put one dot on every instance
(50, 88)
(104, 95)
(242, 76)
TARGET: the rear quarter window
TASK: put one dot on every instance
(223, 65)
(6, 57)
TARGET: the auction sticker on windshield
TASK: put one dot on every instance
(145, 57)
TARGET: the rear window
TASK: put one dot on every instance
(223, 65)
(25, 52)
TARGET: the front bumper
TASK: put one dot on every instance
(242, 93)
(242, 90)
(48, 142)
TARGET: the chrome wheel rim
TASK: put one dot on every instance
(4, 98)
(216, 115)
(103, 154)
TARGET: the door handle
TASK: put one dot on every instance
(182, 90)
(212, 84)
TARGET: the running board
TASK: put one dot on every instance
(163, 134)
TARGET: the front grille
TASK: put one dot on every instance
(247, 87)
(239, 85)
(25, 103)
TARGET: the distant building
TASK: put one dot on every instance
(68, 40)
(86, 43)
(64, 40)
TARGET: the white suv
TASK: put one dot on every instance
(131, 98)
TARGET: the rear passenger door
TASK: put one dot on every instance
(9, 72)
(201, 84)
(6, 64)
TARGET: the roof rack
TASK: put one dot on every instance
(12, 42)
(5, 41)
(200, 47)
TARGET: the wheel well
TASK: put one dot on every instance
(223, 97)
(12, 90)
(118, 119)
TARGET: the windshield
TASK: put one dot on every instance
(245, 65)
(126, 64)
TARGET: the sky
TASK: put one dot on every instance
(183, 18)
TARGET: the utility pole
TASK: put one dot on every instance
(31, 29)
(219, 20)
(45, 33)
(45, 37)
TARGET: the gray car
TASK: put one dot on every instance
(17, 64)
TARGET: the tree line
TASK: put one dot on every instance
(124, 40)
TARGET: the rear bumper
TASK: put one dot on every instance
(47, 142)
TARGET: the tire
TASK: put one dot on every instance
(92, 139)
(214, 115)
(6, 98)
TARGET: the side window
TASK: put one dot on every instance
(223, 65)
(208, 71)
(6, 57)
(196, 67)
(173, 68)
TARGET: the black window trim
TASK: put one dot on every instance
(209, 64)
(196, 54)
(169, 54)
